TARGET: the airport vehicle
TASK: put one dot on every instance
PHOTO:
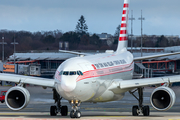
(2, 96)
(96, 78)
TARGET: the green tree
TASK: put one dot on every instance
(71, 37)
(94, 40)
(116, 34)
(48, 39)
(81, 26)
(162, 42)
(85, 40)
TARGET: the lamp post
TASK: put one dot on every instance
(141, 18)
(3, 48)
(131, 27)
(14, 43)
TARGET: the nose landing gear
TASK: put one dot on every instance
(75, 113)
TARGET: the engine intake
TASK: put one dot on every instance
(17, 98)
(162, 98)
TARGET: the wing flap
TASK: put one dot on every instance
(27, 80)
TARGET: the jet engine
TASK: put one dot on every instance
(162, 98)
(17, 98)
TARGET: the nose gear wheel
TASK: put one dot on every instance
(75, 113)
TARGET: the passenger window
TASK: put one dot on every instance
(65, 73)
(72, 73)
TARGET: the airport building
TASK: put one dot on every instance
(36, 64)
(44, 64)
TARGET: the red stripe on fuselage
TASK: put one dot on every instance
(93, 66)
(106, 71)
(57, 76)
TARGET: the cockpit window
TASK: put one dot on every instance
(79, 73)
(61, 73)
(65, 73)
(72, 73)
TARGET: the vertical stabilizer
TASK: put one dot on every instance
(123, 36)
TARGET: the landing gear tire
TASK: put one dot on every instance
(135, 111)
(146, 110)
(72, 114)
(64, 110)
(53, 111)
(78, 114)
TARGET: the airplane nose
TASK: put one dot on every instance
(68, 85)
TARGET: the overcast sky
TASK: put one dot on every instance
(161, 16)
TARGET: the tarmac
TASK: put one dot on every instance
(41, 100)
(89, 116)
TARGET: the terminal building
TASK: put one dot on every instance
(44, 64)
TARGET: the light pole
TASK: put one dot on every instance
(3, 48)
(131, 27)
(14, 48)
(141, 18)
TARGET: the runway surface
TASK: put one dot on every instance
(41, 100)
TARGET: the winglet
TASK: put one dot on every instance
(123, 36)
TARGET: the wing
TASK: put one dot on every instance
(76, 53)
(155, 56)
(27, 80)
(135, 83)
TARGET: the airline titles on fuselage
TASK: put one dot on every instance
(109, 64)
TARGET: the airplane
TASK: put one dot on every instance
(96, 78)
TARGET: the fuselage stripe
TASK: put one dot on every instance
(106, 71)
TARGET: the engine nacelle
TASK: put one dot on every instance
(162, 98)
(17, 98)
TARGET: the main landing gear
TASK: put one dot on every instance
(75, 113)
(58, 108)
(136, 110)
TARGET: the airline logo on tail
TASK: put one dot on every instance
(123, 31)
(123, 36)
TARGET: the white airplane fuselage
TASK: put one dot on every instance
(99, 71)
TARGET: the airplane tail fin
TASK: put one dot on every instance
(123, 36)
